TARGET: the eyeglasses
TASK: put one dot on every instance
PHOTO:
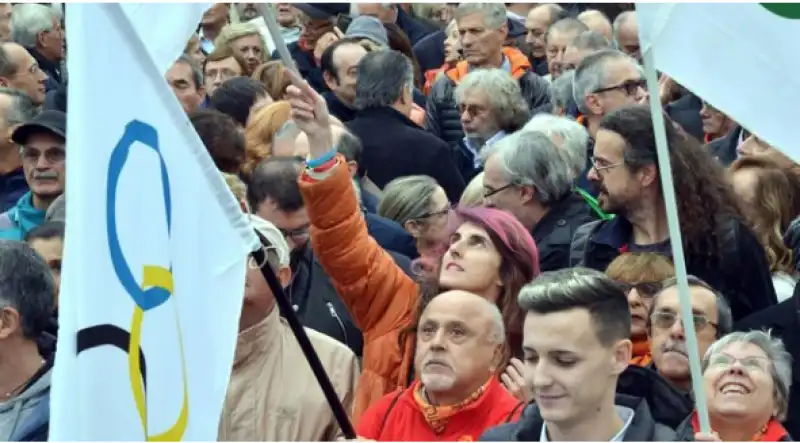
(725, 361)
(53, 155)
(441, 212)
(295, 234)
(666, 319)
(629, 87)
(600, 164)
(488, 192)
(645, 289)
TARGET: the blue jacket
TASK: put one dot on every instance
(21, 219)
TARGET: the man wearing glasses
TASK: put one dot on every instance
(42, 143)
(712, 319)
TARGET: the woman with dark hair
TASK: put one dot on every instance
(490, 254)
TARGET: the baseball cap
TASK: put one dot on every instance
(274, 236)
(368, 27)
(50, 121)
(321, 11)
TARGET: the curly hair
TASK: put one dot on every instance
(519, 266)
(706, 202)
(771, 209)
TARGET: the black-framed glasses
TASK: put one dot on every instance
(438, 213)
(52, 155)
(645, 289)
(297, 233)
(629, 87)
(666, 319)
(488, 192)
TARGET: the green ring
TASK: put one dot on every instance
(785, 10)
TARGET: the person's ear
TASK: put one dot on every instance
(593, 103)
(497, 358)
(649, 174)
(352, 167)
(413, 228)
(621, 357)
(9, 132)
(9, 322)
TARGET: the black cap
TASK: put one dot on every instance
(321, 11)
(50, 121)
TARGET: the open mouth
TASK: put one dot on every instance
(734, 388)
(454, 267)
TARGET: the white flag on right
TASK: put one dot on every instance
(740, 57)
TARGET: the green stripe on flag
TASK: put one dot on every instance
(785, 10)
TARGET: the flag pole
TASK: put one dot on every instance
(675, 238)
(274, 31)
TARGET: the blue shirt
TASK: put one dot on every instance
(626, 414)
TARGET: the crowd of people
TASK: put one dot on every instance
(463, 205)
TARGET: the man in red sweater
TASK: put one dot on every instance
(457, 396)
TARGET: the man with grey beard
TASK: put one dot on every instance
(42, 142)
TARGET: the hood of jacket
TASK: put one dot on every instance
(30, 410)
(24, 216)
(519, 65)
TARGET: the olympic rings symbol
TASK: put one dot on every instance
(155, 290)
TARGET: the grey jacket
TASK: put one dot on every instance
(26, 417)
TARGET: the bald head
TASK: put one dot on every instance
(19, 70)
(472, 308)
(597, 22)
(626, 34)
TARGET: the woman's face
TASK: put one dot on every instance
(433, 225)
(640, 299)
(739, 385)
(452, 46)
(472, 263)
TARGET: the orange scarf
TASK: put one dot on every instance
(438, 416)
(772, 431)
(641, 353)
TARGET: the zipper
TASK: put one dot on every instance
(335, 315)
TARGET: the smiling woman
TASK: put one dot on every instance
(747, 376)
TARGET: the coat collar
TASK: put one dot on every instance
(258, 339)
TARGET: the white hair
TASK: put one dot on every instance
(567, 134)
(505, 96)
(494, 14)
(620, 21)
(28, 20)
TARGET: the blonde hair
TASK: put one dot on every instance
(772, 209)
(273, 76)
(260, 130)
(234, 31)
(237, 186)
(473, 193)
(640, 267)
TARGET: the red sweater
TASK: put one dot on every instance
(406, 422)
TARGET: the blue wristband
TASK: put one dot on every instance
(313, 163)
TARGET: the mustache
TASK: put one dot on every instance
(45, 175)
(675, 347)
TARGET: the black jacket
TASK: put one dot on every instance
(784, 321)
(443, 119)
(686, 112)
(429, 51)
(396, 147)
(668, 405)
(553, 234)
(724, 148)
(337, 108)
(529, 427)
(413, 29)
(742, 274)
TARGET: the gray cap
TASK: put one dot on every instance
(368, 27)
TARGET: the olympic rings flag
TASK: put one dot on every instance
(156, 245)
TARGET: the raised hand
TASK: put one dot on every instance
(310, 114)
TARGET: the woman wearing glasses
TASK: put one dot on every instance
(747, 376)
(641, 274)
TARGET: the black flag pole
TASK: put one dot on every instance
(288, 313)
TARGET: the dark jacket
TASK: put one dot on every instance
(792, 240)
(686, 112)
(33, 406)
(783, 320)
(12, 187)
(337, 108)
(52, 69)
(413, 29)
(442, 116)
(553, 234)
(529, 427)
(318, 305)
(394, 146)
(56, 99)
(392, 237)
(429, 51)
(668, 405)
(741, 274)
(306, 65)
(724, 148)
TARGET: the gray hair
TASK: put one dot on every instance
(28, 20)
(590, 75)
(591, 40)
(57, 211)
(724, 313)
(507, 104)
(561, 90)
(407, 198)
(567, 25)
(494, 14)
(383, 76)
(197, 72)
(619, 22)
(530, 158)
(27, 286)
(574, 138)
(22, 107)
(780, 367)
(7, 66)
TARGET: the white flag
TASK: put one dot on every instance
(155, 250)
(740, 57)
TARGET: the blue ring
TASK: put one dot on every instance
(135, 131)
